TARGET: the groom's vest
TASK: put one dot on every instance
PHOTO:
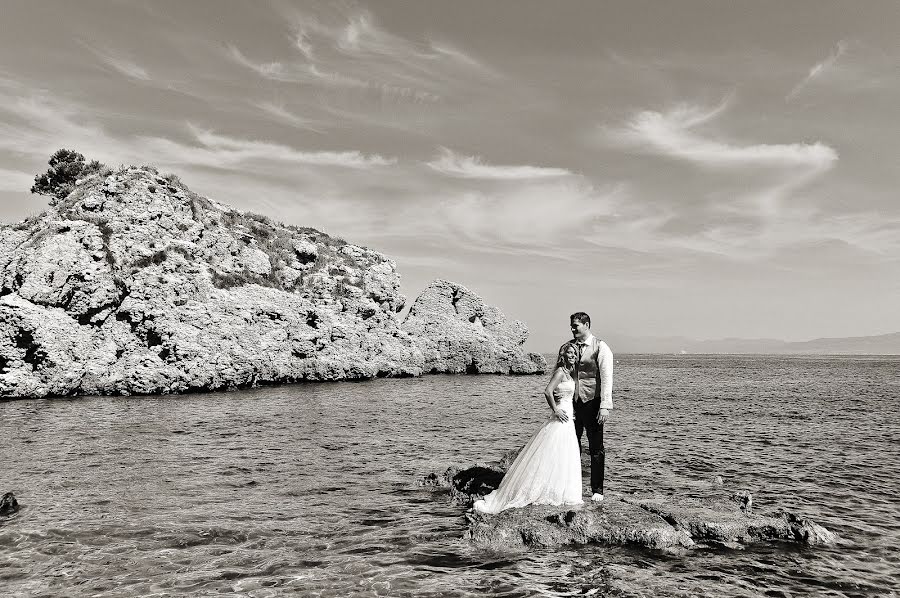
(587, 371)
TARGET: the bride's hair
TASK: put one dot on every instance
(562, 354)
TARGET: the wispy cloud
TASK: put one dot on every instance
(120, 63)
(472, 167)
(47, 124)
(740, 210)
(270, 70)
(303, 43)
(529, 215)
(461, 57)
(33, 123)
(219, 149)
(281, 113)
(797, 226)
(316, 74)
(344, 47)
(670, 134)
(361, 35)
(818, 69)
(503, 208)
(534, 217)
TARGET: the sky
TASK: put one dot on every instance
(702, 169)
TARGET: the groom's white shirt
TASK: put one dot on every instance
(605, 363)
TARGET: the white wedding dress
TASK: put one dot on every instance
(548, 470)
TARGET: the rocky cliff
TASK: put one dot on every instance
(464, 335)
(133, 284)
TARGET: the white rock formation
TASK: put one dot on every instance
(135, 285)
(459, 333)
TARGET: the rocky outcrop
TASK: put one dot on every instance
(458, 333)
(649, 521)
(8, 504)
(468, 484)
(658, 522)
(133, 284)
(615, 523)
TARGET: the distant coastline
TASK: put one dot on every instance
(882, 344)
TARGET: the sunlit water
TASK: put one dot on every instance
(312, 489)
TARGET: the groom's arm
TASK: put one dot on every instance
(605, 366)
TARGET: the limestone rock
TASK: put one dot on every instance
(650, 521)
(723, 521)
(615, 523)
(133, 284)
(459, 333)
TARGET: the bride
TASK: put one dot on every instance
(548, 469)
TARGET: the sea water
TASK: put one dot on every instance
(311, 489)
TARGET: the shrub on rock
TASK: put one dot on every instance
(66, 167)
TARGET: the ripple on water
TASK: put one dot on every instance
(311, 489)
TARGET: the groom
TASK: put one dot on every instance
(593, 394)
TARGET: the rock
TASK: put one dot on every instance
(744, 499)
(306, 251)
(458, 333)
(129, 286)
(465, 485)
(133, 284)
(805, 531)
(718, 521)
(8, 504)
(614, 523)
(670, 522)
(468, 484)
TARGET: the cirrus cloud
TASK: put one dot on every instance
(818, 69)
(452, 164)
(232, 150)
(670, 134)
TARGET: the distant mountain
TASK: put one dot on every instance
(882, 344)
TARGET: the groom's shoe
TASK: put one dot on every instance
(597, 497)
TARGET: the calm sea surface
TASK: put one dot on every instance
(311, 489)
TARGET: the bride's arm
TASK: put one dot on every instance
(555, 379)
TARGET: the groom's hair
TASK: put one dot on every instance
(582, 317)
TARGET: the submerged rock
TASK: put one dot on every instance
(459, 333)
(650, 521)
(8, 504)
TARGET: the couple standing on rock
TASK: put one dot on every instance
(548, 468)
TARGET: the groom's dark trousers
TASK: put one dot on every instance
(587, 401)
(586, 421)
